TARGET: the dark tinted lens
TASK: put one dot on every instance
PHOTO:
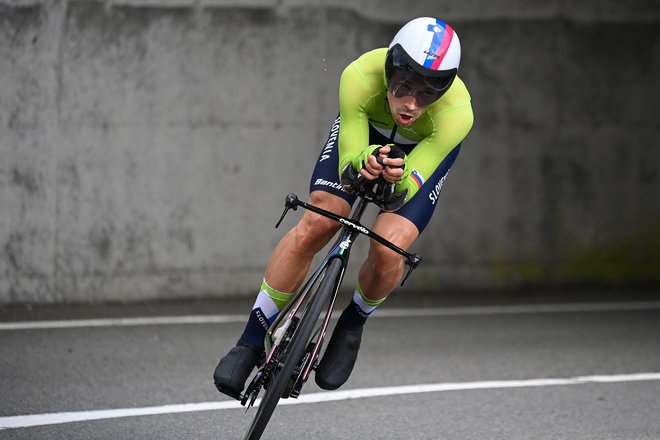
(403, 82)
(441, 84)
(403, 75)
(401, 88)
(408, 83)
(399, 76)
(427, 97)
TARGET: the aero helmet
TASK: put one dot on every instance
(425, 51)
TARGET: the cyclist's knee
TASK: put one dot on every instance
(330, 202)
(384, 260)
(398, 230)
(313, 230)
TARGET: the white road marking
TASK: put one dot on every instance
(124, 322)
(26, 421)
(382, 313)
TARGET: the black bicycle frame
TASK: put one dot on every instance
(340, 250)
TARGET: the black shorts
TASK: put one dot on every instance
(418, 210)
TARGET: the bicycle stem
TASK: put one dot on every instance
(411, 260)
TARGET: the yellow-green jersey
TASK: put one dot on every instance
(432, 142)
(363, 104)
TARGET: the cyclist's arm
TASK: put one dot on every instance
(450, 126)
(354, 93)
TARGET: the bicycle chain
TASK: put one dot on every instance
(267, 370)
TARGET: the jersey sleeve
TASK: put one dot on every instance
(354, 93)
(449, 127)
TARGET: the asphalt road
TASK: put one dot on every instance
(51, 362)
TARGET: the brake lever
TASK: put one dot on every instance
(291, 202)
(412, 260)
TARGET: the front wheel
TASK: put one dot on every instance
(294, 351)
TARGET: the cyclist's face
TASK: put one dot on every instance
(405, 82)
(409, 96)
(404, 110)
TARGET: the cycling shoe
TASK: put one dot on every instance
(339, 358)
(233, 370)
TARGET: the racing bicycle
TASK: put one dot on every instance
(294, 341)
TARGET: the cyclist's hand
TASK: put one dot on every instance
(393, 167)
(366, 165)
(372, 169)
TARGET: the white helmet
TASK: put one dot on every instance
(427, 49)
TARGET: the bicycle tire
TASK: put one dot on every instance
(295, 350)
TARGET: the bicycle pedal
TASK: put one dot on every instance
(295, 392)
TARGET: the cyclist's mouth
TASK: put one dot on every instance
(404, 119)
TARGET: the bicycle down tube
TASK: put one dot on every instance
(340, 249)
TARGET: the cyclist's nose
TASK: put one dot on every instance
(409, 102)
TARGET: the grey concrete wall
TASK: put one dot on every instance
(146, 146)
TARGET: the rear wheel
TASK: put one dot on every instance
(294, 351)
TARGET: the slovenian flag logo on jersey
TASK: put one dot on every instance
(417, 177)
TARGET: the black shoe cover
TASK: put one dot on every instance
(233, 370)
(339, 358)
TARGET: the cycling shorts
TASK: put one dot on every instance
(418, 210)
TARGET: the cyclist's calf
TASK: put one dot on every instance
(382, 270)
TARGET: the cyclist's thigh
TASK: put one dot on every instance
(396, 229)
(317, 228)
(421, 207)
(325, 177)
(329, 202)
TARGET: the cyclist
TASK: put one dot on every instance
(409, 93)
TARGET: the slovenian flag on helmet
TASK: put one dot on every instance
(443, 35)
